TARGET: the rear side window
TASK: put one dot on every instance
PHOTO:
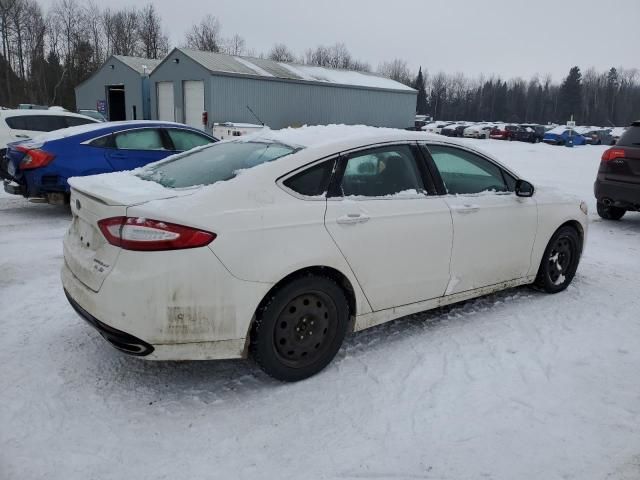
(186, 140)
(103, 142)
(147, 139)
(313, 181)
(36, 123)
(631, 137)
(216, 163)
(75, 121)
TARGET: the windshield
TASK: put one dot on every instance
(215, 163)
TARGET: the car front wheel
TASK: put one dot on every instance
(300, 328)
(560, 260)
(609, 212)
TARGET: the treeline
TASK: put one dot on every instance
(46, 54)
(595, 98)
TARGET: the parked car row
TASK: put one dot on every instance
(527, 132)
(563, 135)
(499, 131)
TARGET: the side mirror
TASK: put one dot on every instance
(524, 189)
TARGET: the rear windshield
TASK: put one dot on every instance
(215, 163)
(631, 137)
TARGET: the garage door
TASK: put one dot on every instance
(164, 92)
(193, 102)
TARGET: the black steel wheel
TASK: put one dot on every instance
(610, 212)
(301, 328)
(560, 260)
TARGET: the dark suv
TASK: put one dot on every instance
(617, 187)
(535, 132)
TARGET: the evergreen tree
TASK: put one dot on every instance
(570, 101)
(613, 84)
(421, 105)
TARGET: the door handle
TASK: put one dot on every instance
(466, 208)
(352, 218)
(22, 135)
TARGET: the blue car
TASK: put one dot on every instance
(561, 135)
(40, 167)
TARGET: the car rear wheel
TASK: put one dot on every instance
(559, 261)
(300, 329)
(610, 212)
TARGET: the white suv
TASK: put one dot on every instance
(18, 125)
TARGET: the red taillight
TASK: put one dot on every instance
(143, 234)
(612, 154)
(34, 158)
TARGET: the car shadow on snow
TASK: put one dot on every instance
(219, 380)
(23, 208)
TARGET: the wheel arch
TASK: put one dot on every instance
(578, 227)
(319, 270)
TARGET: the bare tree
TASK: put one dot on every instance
(124, 32)
(66, 16)
(397, 69)
(281, 53)
(154, 43)
(95, 31)
(334, 56)
(234, 45)
(205, 35)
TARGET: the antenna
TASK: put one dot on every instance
(254, 114)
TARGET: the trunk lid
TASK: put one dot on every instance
(86, 251)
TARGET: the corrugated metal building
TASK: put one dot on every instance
(242, 89)
(120, 87)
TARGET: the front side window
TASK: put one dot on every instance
(184, 140)
(464, 172)
(381, 172)
(146, 139)
(216, 163)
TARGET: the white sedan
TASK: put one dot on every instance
(277, 244)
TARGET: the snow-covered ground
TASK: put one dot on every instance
(517, 385)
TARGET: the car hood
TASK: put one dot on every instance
(553, 195)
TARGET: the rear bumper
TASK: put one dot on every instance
(182, 306)
(121, 340)
(13, 188)
(620, 194)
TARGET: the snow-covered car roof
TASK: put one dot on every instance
(96, 126)
(30, 112)
(326, 135)
(559, 130)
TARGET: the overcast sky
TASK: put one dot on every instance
(506, 37)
